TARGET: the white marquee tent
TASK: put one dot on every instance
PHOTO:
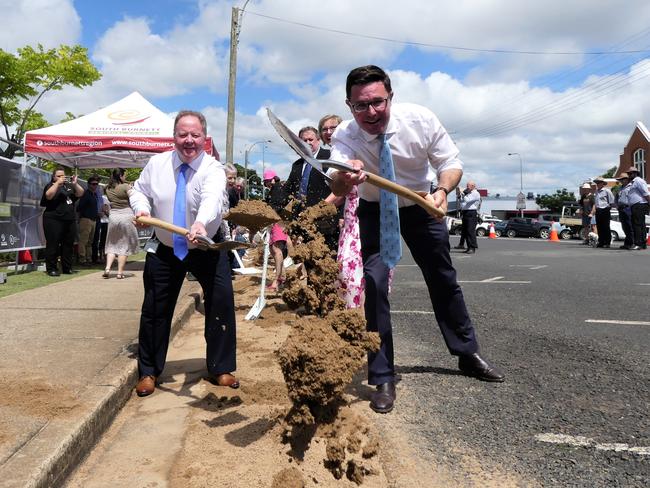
(123, 134)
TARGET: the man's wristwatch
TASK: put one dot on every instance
(439, 188)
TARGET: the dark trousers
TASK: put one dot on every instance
(625, 217)
(99, 240)
(163, 277)
(428, 241)
(470, 219)
(639, 211)
(603, 216)
(59, 241)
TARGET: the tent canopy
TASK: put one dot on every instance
(123, 134)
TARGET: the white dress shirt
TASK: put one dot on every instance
(205, 194)
(638, 191)
(420, 146)
(471, 200)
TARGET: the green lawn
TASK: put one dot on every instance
(34, 279)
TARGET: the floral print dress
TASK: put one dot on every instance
(350, 282)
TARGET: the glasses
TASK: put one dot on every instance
(378, 105)
(329, 129)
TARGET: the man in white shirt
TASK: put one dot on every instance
(420, 147)
(639, 204)
(190, 185)
(603, 203)
(470, 201)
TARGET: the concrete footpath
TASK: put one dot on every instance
(67, 366)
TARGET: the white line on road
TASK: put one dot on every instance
(581, 441)
(529, 266)
(495, 280)
(618, 322)
(415, 312)
(644, 284)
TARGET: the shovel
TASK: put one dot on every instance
(321, 164)
(260, 303)
(204, 241)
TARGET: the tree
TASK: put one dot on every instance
(29, 75)
(610, 172)
(555, 202)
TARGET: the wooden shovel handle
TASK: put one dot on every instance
(402, 191)
(162, 224)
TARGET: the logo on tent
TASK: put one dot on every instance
(127, 117)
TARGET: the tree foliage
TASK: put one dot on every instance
(27, 76)
(555, 201)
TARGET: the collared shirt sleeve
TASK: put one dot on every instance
(443, 153)
(213, 195)
(141, 195)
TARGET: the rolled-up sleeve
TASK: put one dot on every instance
(213, 196)
(443, 153)
(140, 196)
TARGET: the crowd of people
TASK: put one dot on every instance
(99, 220)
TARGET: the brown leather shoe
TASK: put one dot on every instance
(146, 386)
(225, 379)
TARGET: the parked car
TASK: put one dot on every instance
(517, 227)
(544, 222)
(482, 228)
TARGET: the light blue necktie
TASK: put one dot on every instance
(390, 244)
(305, 180)
(180, 242)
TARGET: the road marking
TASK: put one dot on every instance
(618, 322)
(529, 266)
(644, 284)
(581, 441)
(415, 312)
(496, 279)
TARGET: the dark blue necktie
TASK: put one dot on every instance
(180, 242)
(305, 180)
(390, 244)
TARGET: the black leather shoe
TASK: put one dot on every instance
(470, 250)
(459, 247)
(383, 399)
(474, 365)
(53, 273)
(69, 271)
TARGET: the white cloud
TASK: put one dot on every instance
(28, 22)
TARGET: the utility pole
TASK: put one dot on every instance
(230, 123)
(235, 27)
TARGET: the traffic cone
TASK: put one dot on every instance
(648, 240)
(553, 236)
(493, 235)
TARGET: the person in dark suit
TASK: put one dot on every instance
(309, 186)
(305, 183)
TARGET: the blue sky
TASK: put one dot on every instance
(568, 115)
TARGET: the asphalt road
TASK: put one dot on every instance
(574, 410)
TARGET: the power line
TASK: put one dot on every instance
(505, 110)
(448, 47)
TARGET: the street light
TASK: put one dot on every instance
(248, 150)
(521, 179)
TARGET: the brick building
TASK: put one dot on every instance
(636, 152)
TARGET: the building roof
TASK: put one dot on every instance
(644, 130)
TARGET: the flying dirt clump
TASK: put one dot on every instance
(317, 294)
(318, 361)
(253, 214)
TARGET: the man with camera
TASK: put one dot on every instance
(470, 202)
